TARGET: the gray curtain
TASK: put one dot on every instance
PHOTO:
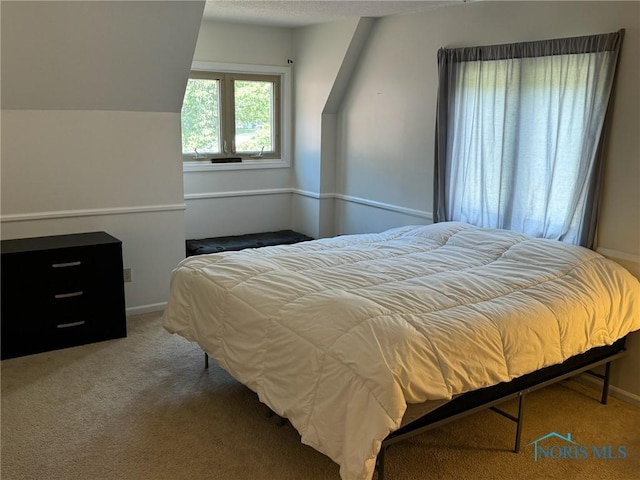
(521, 134)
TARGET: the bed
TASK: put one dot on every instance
(340, 335)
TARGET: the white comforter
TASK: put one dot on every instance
(338, 335)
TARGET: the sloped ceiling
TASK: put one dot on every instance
(298, 13)
(97, 55)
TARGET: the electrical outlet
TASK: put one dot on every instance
(126, 273)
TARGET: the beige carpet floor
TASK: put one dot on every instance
(144, 408)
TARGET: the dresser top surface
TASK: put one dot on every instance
(20, 245)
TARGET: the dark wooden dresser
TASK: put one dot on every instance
(61, 291)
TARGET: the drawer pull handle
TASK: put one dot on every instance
(72, 324)
(69, 295)
(67, 264)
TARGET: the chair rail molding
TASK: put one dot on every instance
(91, 212)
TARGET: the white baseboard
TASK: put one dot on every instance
(154, 307)
(614, 391)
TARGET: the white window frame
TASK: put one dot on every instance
(284, 161)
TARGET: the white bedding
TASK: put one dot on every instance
(338, 335)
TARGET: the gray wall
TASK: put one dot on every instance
(386, 122)
(387, 118)
(91, 99)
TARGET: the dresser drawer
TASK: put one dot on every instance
(61, 291)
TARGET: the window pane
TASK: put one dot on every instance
(522, 141)
(254, 103)
(201, 117)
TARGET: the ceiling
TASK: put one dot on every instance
(292, 14)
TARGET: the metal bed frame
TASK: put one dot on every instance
(489, 397)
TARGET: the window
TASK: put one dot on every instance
(232, 115)
(520, 131)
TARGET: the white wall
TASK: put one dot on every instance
(322, 53)
(387, 120)
(326, 57)
(225, 200)
(91, 95)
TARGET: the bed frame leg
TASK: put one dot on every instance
(517, 419)
(605, 383)
(519, 422)
(206, 360)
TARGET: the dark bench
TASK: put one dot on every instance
(240, 242)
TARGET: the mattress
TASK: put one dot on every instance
(340, 335)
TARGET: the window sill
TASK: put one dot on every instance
(250, 164)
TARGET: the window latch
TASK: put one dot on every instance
(258, 155)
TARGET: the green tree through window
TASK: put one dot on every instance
(253, 113)
(201, 117)
(231, 115)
